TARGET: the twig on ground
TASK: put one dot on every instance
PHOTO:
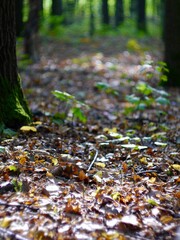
(93, 161)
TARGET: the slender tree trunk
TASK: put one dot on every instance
(141, 15)
(91, 19)
(105, 12)
(172, 41)
(119, 12)
(133, 8)
(31, 41)
(13, 108)
(19, 17)
(57, 8)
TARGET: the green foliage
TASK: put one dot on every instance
(105, 87)
(74, 108)
(145, 96)
(17, 185)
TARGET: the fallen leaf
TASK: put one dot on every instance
(28, 129)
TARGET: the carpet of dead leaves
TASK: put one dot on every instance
(84, 181)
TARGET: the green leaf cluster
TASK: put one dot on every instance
(75, 107)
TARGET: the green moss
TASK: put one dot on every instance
(14, 111)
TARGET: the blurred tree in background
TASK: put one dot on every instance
(84, 18)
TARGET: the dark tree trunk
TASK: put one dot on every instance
(31, 30)
(133, 8)
(119, 12)
(19, 17)
(13, 108)
(91, 19)
(141, 15)
(172, 41)
(57, 8)
(105, 12)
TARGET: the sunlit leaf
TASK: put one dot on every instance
(63, 96)
(28, 129)
(54, 161)
(6, 222)
(98, 176)
(13, 168)
(152, 202)
(78, 113)
(133, 146)
(99, 164)
(176, 167)
(161, 144)
(144, 88)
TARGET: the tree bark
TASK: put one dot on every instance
(172, 41)
(105, 12)
(19, 17)
(31, 31)
(141, 15)
(119, 12)
(57, 8)
(13, 107)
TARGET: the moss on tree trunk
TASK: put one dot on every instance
(14, 111)
(13, 107)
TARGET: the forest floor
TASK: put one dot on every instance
(113, 177)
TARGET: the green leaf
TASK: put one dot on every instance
(101, 85)
(13, 168)
(144, 88)
(133, 99)
(152, 202)
(63, 96)
(162, 100)
(78, 113)
(9, 133)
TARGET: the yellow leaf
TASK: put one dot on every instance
(152, 180)
(28, 129)
(116, 195)
(37, 123)
(99, 164)
(54, 161)
(49, 175)
(143, 160)
(98, 176)
(176, 167)
(110, 130)
(166, 219)
(5, 222)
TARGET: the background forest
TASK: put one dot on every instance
(89, 119)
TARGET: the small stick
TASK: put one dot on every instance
(93, 161)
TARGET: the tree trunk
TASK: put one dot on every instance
(13, 108)
(119, 12)
(31, 31)
(19, 17)
(172, 41)
(57, 8)
(141, 15)
(91, 19)
(105, 12)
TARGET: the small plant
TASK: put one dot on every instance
(74, 108)
(105, 87)
(144, 97)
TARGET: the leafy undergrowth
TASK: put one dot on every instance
(115, 176)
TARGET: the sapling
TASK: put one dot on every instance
(74, 108)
